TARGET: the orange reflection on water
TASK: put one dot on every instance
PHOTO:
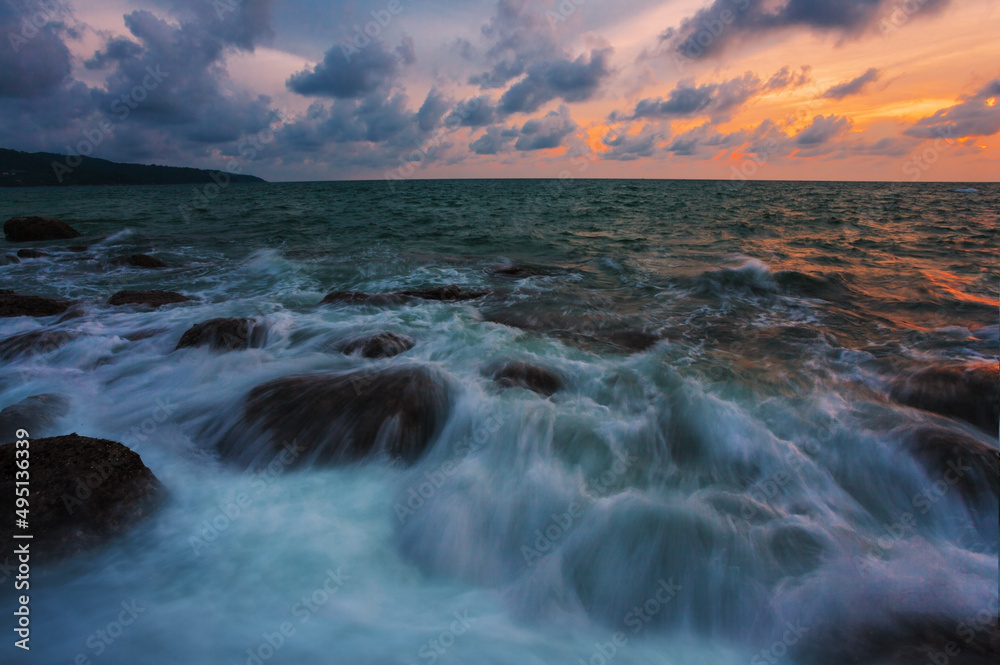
(951, 284)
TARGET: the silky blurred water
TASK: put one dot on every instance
(742, 474)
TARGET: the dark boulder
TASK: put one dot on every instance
(140, 261)
(35, 229)
(971, 394)
(973, 465)
(152, 298)
(230, 334)
(445, 293)
(30, 254)
(83, 492)
(35, 342)
(8, 260)
(15, 304)
(514, 271)
(333, 419)
(449, 293)
(517, 373)
(37, 414)
(630, 340)
(381, 345)
(359, 298)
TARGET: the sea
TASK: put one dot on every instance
(724, 476)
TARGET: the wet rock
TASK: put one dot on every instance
(579, 332)
(381, 345)
(30, 254)
(630, 340)
(15, 304)
(37, 414)
(901, 639)
(971, 394)
(514, 271)
(34, 229)
(152, 298)
(35, 342)
(442, 293)
(358, 298)
(338, 418)
(224, 334)
(517, 373)
(83, 492)
(140, 261)
(973, 466)
(445, 293)
(8, 259)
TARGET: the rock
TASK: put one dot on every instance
(358, 298)
(34, 342)
(338, 418)
(941, 450)
(630, 340)
(445, 293)
(442, 293)
(34, 229)
(30, 254)
(8, 259)
(15, 304)
(140, 261)
(513, 271)
(224, 335)
(37, 414)
(902, 638)
(971, 394)
(83, 492)
(381, 345)
(525, 375)
(152, 298)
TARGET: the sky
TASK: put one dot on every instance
(291, 90)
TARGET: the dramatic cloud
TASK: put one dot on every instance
(343, 78)
(571, 81)
(975, 115)
(728, 22)
(627, 147)
(33, 60)
(687, 99)
(822, 129)
(495, 140)
(854, 86)
(546, 132)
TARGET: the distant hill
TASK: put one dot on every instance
(35, 169)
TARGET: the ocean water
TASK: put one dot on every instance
(722, 479)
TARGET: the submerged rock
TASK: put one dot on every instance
(83, 492)
(973, 467)
(15, 304)
(525, 375)
(152, 298)
(449, 293)
(34, 229)
(35, 342)
(224, 334)
(333, 419)
(514, 271)
(971, 394)
(37, 414)
(140, 261)
(8, 259)
(381, 345)
(30, 254)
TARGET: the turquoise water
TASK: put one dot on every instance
(724, 448)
